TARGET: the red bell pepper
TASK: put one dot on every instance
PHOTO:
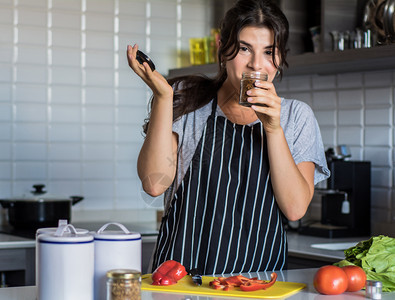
(244, 283)
(168, 273)
(255, 285)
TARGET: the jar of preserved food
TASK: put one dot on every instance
(123, 284)
(247, 82)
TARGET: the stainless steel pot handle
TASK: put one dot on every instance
(76, 199)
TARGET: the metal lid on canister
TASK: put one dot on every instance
(123, 274)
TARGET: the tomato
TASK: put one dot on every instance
(330, 280)
(356, 278)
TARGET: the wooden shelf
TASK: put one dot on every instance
(325, 63)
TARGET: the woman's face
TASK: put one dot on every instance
(255, 54)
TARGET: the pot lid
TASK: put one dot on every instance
(39, 194)
(116, 235)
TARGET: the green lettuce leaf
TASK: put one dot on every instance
(376, 257)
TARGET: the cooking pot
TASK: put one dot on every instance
(38, 209)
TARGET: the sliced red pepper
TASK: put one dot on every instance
(168, 273)
(255, 285)
(245, 284)
(236, 280)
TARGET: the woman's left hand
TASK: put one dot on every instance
(268, 105)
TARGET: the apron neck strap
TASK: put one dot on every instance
(214, 106)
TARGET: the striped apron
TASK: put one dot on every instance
(224, 217)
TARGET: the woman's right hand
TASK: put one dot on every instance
(157, 83)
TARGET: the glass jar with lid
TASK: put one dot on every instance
(123, 284)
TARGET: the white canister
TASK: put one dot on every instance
(52, 230)
(120, 249)
(65, 265)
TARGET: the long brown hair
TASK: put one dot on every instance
(194, 91)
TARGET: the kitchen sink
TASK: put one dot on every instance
(334, 246)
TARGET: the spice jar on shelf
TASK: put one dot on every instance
(123, 284)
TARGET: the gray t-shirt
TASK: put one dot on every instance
(297, 120)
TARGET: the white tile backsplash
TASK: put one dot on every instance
(5, 73)
(65, 170)
(32, 35)
(100, 6)
(5, 170)
(5, 112)
(36, 74)
(98, 152)
(5, 153)
(5, 92)
(99, 40)
(324, 100)
(30, 112)
(66, 75)
(350, 135)
(161, 9)
(129, 26)
(352, 98)
(65, 5)
(378, 96)
(98, 133)
(32, 93)
(326, 117)
(99, 115)
(379, 116)
(132, 8)
(65, 94)
(68, 38)
(64, 133)
(98, 170)
(100, 22)
(378, 136)
(64, 152)
(352, 117)
(350, 80)
(323, 82)
(32, 17)
(66, 57)
(65, 114)
(6, 54)
(25, 170)
(34, 4)
(378, 78)
(6, 14)
(96, 95)
(379, 156)
(32, 55)
(29, 132)
(6, 34)
(381, 177)
(64, 19)
(102, 59)
(100, 77)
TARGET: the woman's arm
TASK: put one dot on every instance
(293, 185)
(157, 161)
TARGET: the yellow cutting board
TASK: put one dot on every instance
(280, 289)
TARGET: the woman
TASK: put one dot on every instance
(231, 174)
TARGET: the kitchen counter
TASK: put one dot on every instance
(8, 241)
(303, 276)
(300, 246)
